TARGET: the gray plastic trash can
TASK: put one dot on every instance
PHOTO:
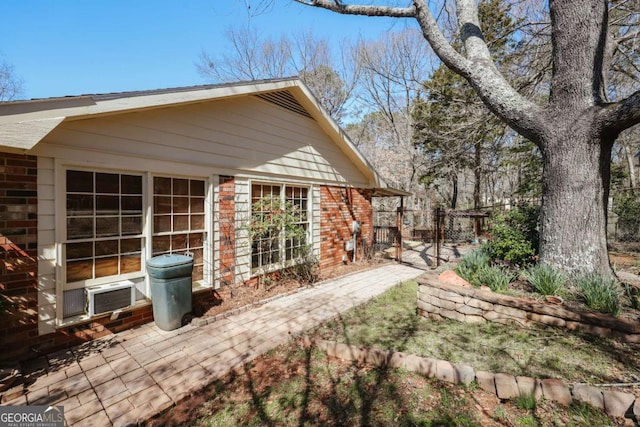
(170, 277)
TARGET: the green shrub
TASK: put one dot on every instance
(305, 268)
(600, 293)
(545, 280)
(496, 278)
(514, 236)
(471, 264)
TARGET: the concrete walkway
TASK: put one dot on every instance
(128, 377)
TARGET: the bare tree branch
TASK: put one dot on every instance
(366, 10)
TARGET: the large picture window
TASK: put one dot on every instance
(270, 248)
(179, 219)
(104, 225)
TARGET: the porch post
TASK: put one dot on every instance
(399, 214)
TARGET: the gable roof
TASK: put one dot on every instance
(23, 124)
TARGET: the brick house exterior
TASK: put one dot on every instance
(340, 207)
(164, 150)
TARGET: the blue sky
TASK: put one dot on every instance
(73, 47)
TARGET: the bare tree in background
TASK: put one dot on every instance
(393, 69)
(10, 84)
(575, 126)
(252, 57)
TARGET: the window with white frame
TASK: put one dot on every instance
(269, 248)
(104, 225)
(298, 197)
(179, 219)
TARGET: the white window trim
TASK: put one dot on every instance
(258, 271)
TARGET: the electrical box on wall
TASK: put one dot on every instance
(356, 227)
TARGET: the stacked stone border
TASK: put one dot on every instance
(437, 299)
(504, 386)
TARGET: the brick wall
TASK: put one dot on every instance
(18, 252)
(96, 328)
(339, 208)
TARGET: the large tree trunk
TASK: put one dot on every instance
(575, 192)
(576, 154)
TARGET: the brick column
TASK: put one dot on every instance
(227, 224)
(18, 254)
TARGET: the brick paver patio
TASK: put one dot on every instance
(128, 377)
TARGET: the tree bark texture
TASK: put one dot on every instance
(575, 188)
(576, 153)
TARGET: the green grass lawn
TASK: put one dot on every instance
(390, 322)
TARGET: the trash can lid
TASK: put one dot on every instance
(169, 260)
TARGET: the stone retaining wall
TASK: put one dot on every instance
(437, 299)
(504, 386)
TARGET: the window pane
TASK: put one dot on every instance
(161, 204)
(197, 222)
(107, 266)
(79, 270)
(197, 205)
(80, 250)
(107, 205)
(107, 183)
(106, 247)
(161, 185)
(197, 188)
(180, 205)
(79, 182)
(130, 245)
(131, 204)
(130, 263)
(196, 240)
(180, 187)
(161, 244)
(180, 223)
(131, 225)
(79, 204)
(79, 228)
(178, 242)
(131, 184)
(197, 256)
(107, 226)
(162, 223)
